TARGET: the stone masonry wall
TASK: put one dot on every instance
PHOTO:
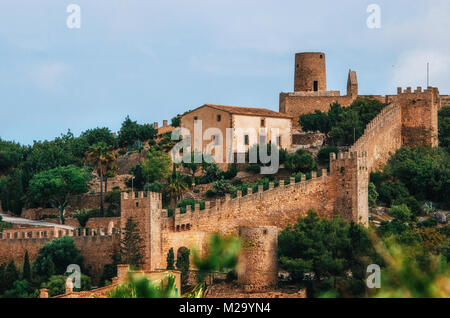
(96, 246)
(382, 136)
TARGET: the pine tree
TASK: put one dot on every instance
(11, 275)
(170, 259)
(26, 268)
(131, 245)
(2, 278)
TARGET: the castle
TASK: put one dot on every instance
(410, 119)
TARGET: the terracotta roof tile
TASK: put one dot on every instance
(249, 111)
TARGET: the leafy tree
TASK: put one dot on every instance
(401, 213)
(12, 192)
(131, 131)
(56, 186)
(138, 286)
(26, 272)
(11, 154)
(54, 257)
(300, 161)
(48, 155)
(131, 245)
(324, 154)
(425, 172)
(56, 284)
(170, 259)
(326, 250)
(176, 121)
(104, 161)
(444, 127)
(21, 289)
(411, 271)
(317, 121)
(222, 187)
(4, 225)
(389, 192)
(373, 194)
(343, 125)
(99, 135)
(157, 166)
(212, 173)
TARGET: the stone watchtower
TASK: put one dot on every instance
(146, 211)
(258, 262)
(310, 72)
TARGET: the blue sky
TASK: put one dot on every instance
(156, 58)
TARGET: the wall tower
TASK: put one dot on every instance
(310, 72)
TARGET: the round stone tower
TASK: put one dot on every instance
(258, 262)
(310, 72)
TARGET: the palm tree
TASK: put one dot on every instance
(175, 187)
(102, 158)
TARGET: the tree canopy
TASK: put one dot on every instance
(56, 186)
(343, 125)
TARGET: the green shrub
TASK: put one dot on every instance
(182, 205)
(231, 172)
(401, 213)
(253, 168)
(211, 193)
(222, 187)
(300, 161)
(391, 191)
(373, 195)
(323, 156)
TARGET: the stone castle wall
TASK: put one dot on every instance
(382, 136)
(96, 246)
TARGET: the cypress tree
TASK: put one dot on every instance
(170, 259)
(11, 275)
(26, 268)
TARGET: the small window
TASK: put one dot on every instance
(246, 140)
(219, 117)
(316, 86)
(195, 118)
(321, 56)
(216, 140)
(263, 123)
(278, 140)
(137, 204)
(298, 66)
(262, 140)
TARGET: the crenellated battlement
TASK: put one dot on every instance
(223, 208)
(153, 196)
(52, 233)
(419, 90)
